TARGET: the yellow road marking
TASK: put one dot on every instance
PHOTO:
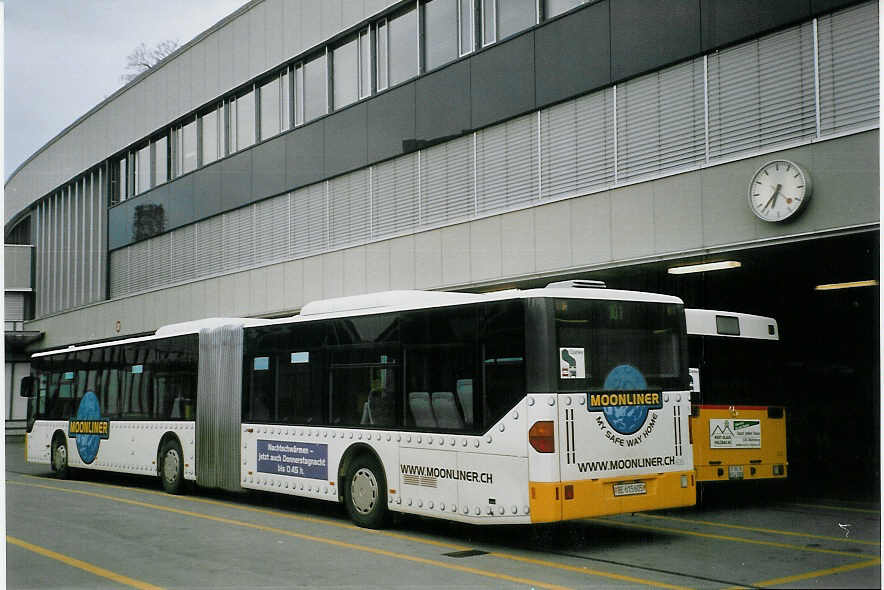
(818, 573)
(343, 544)
(864, 510)
(727, 538)
(276, 513)
(758, 529)
(92, 569)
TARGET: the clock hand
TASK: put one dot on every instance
(773, 198)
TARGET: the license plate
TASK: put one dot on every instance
(630, 489)
(735, 472)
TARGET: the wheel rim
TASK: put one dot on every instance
(61, 457)
(170, 466)
(364, 491)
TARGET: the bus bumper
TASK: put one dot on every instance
(568, 500)
(742, 472)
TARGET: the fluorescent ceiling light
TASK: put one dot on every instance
(683, 270)
(831, 286)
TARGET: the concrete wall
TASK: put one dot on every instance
(694, 212)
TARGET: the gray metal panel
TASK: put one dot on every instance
(346, 140)
(331, 14)
(552, 236)
(305, 155)
(213, 65)
(352, 11)
(485, 249)
(17, 266)
(257, 40)
(268, 168)
(726, 21)
(199, 92)
(227, 48)
(500, 84)
(292, 26)
(241, 49)
(390, 123)
(442, 104)
(427, 259)
(274, 30)
(236, 180)
(585, 38)
(218, 408)
(311, 22)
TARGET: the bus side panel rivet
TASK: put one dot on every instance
(409, 501)
(530, 401)
(441, 505)
(501, 428)
(477, 511)
(551, 401)
(581, 400)
(515, 509)
(678, 397)
(501, 510)
(515, 415)
(568, 400)
(430, 505)
(526, 509)
(665, 397)
(476, 442)
(488, 439)
(464, 441)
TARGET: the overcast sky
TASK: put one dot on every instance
(65, 56)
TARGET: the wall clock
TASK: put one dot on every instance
(779, 191)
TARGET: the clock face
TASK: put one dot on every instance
(779, 190)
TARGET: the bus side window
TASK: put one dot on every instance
(503, 363)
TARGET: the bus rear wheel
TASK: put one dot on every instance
(366, 493)
(172, 467)
(60, 458)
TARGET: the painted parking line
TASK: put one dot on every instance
(275, 513)
(759, 529)
(818, 573)
(646, 527)
(828, 507)
(85, 566)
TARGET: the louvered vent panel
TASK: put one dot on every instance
(272, 229)
(139, 261)
(447, 182)
(309, 220)
(209, 247)
(761, 93)
(159, 271)
(506, 164)
(849, 65)
(394, 196)
(183, 250)
(14, 308)
(660, 121)
(577, 145)
(348, 209)
(239, 238)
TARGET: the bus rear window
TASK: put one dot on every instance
(619, 345)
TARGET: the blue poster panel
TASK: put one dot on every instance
(297, 459)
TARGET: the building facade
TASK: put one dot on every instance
(300, 150)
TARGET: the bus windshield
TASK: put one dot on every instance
(620, 345)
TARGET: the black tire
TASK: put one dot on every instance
(171, 467)
(60, 458)
(365, 493)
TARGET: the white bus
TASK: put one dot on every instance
(510, 407)
(735, 371)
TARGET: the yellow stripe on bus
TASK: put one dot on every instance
(92, 569)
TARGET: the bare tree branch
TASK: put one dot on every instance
(143, 58)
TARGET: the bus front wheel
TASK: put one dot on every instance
(60, 458)
(172, 467)
(366, 493)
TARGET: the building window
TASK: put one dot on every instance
(142, 170)
(161, 158)
(502, 18)
(211, 149)
(467, 20)
(403, 46)
(188, 147)
(118, 180)
(557, 7)
(440, 32)
(242, 121)
(364, 64)
(345, 73)
(271, 115)
(314, 88)
(383, 55)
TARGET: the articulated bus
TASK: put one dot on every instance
(510, 407)
(734, 372)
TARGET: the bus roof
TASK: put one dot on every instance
(381, 302)
(730, 324)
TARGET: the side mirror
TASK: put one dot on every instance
(27, 386)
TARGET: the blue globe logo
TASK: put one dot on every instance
(625, 419)
(84, 423)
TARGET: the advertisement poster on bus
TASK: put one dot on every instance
(735, 434)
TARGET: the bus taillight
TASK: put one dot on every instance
(542, 437)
